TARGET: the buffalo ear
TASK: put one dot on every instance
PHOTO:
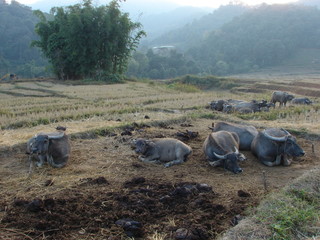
(211, 128)
(150, 143)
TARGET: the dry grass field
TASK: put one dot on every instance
(104, 181)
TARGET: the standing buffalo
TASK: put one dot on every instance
(168, 150)
(273, 146)
(246, 133)
(281, 97)
(221, 149)
(304, 101)
(53, 148)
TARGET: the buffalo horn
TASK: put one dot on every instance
(56, 136)
(277, 139)
(220, 156)
(288, 134)
(236, 150)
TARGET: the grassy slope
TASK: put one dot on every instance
(292, 213)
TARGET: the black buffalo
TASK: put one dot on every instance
(221, 149)
(275, 146)
(53, 148)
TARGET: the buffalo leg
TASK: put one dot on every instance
(269, 161)
(41, 160)
(174, 162)
(286, 161)
(149, 159)
(30, 164)
(216, 163)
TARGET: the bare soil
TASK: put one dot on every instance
(105, 192)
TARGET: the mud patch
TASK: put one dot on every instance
(186, 210)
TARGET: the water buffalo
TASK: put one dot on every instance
(250, 107)
(267, 107)
(162, 150)
(274, 146)
(227, 108)
(246, 133)
(217, 105)
(232, 105)
(221, 149)
(281, 97)
(53, 148)
(304, 101)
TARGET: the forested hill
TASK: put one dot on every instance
(264, 36)
(16, 33)
(190, 35)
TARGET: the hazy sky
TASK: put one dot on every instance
(198, 3)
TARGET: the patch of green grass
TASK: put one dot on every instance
(289, 214)
(182, 87)
(278, 113)
(152, 101)
(125, 110)
(5, 112)
(46, 121)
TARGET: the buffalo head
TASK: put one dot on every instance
(288, 145)
(230, 161)
(40, 145)
(142, 145)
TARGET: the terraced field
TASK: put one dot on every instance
(104, 181)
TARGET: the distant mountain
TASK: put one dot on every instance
(134, 7)
(194, 32)
(262, 37)
(157, 24)
(310, 2)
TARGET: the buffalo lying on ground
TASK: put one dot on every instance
(281, 97)
(221, 149)
(274, 146)
(232, 105)
(303, 101)
(217, 105)
(246, 133)
(53, 148)
(162, 150)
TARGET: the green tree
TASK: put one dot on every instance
(83, 41)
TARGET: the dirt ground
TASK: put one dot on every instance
(105, 192)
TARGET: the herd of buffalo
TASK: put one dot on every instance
(272, 146)
(231, 105)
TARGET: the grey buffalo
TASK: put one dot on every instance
(53, 148)
(250, 107)
(217, 105)
(244, 106)
(246, 133)
(221, 149)
(303, 101)
(274, 146)
(169, 151)
(281, 97)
